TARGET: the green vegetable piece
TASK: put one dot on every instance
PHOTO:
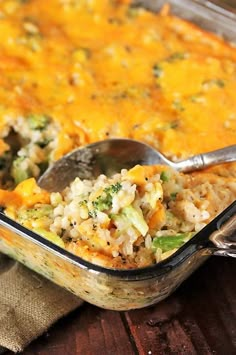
(174, 124)
(173, 195)
(136, 218)
(38, 122)
(170, 125)
(121, 222)
(52, 237)
(133, 10)
(104, 202)
(157, 71)
(176, 56)
(178, 105)
(35, 213)
(214, 82)
(115, 188)
(197, 98)
(164, 176)
(170, 242)
(44, 143)
(18, 172)
(92, 214)
(220, 83)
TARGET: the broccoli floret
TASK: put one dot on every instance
(157, 71)
(104, 201)
(113, 189)
(92, 214)
(43, 143)
(18, 172)
(38, 122)
(35, 213)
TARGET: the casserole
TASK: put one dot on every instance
(116, 289)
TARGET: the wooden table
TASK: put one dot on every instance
(199, 318)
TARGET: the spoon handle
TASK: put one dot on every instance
(205, 160)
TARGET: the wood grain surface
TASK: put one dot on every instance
(199, 318)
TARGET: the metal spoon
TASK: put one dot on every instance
(112, 155)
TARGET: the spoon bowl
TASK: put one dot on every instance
(111, 155)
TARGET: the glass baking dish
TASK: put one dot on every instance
(118, 289)
(137, 288)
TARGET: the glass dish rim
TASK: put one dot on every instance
(202, 8)
(200, 241)
(223, 10)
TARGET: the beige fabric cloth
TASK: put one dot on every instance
(29, 304)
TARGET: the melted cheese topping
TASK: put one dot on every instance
(105, 69)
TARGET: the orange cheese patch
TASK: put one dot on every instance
(106, 69)
(27, 193)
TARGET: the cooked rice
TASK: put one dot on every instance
(127, 221)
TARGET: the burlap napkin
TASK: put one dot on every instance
(29, 305)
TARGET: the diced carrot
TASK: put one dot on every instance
(158, 218)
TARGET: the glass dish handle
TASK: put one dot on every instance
(224, 236)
